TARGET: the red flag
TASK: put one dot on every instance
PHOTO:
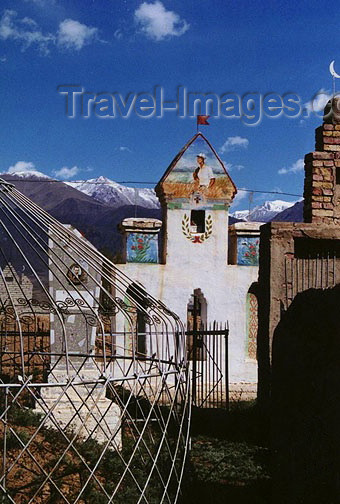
(203, 119)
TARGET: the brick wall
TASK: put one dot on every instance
(322, 177)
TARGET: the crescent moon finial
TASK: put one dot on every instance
(332, 70)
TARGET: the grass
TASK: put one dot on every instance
(228, 462)
(229, 458)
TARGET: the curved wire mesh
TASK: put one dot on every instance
(94, 404)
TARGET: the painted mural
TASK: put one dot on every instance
(198, 174)
(142, 248)
(252, 325)
(248, 251)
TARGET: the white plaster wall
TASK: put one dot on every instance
(212, 253)
(191, 266)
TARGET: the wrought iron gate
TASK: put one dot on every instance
(208, 353)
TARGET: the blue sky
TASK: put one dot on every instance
(131, 47)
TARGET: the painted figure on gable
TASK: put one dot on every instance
(197, 174)
(203, 175)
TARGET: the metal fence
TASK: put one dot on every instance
(208, 353)
(94, 383)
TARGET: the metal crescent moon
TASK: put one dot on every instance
(333, 72)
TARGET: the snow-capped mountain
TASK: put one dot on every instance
(291, 214)
(263, 213)
(240, 214)
(107, 191)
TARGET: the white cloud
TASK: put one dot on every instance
(118, 34)
(67, 173)
(122, 148)
(3, 59)
(41, 2)
(25, 31)
(29, 22)
(21, 166)
(318, 102)
(157, 23)
(277, 189)
(240, 196)
(75, 35)
(296, 167)
(233, 143)
(230, 167)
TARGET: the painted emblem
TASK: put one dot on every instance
(196, 237)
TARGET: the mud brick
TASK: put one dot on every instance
(320, 155)
(331, 140)
(329, 147)
(325, 171)
(328, 177)
(328, 206)
(328, 192)
(323, 213)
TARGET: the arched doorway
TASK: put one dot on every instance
(196, 311)
(196, 321)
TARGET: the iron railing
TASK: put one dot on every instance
(208, 353)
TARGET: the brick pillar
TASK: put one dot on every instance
(322, 174)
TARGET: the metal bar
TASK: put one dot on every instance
(202, 366)
(226, 370)
(215, 376)
(303, 274)
(194, 358)
(204, 333)
(286, 282)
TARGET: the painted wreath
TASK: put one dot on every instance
(194, 237)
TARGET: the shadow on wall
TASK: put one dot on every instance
(306, 400)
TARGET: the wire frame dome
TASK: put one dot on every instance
(94, 390)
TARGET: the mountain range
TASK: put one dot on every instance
(97, 220)
(97, 206)
(268, 211)
(116, 195)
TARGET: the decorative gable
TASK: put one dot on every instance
(188, 180)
